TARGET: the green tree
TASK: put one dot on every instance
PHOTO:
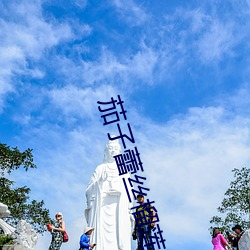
(235, 207)
(6, 240)
(17, 199)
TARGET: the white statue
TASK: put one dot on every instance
(108, 207)
(244, 242)
(4, 212)
(25, 235)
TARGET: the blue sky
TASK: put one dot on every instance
(182, 69)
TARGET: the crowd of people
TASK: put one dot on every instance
(219, 241)
(141, 232)
(141, 227)
(57, 235)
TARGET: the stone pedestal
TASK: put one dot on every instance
(13, 247)
(244, 242)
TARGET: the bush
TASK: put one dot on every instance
(6, 240)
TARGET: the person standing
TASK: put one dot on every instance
(218, 240)
(56, 231)
(85, 238)
(239, 231)
(142, 228)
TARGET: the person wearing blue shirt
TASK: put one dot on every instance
(84, 240)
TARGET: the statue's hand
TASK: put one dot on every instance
(104, 175)
(90, 202)
(152, 225)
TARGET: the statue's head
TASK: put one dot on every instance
(112, 148)
(4, 211)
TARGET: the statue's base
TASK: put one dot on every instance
(12, 247)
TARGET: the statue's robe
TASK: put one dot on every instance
(108, 209)
(244, 242)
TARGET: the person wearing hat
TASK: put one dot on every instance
(56, 231)
(239, 231)
(84, 240)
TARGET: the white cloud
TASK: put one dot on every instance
(80, 3)
(201, 34)
(131, 12)
(240, 101)
(217, 42)
(105, 69)
(30, 32)
(188, 164)
(124, 70)
(25, 35)
(143, 64)
(82, 102)
(198, 19)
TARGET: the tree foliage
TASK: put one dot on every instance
(235, 207)
(6, 240)
(13, 158)
(17, 199)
